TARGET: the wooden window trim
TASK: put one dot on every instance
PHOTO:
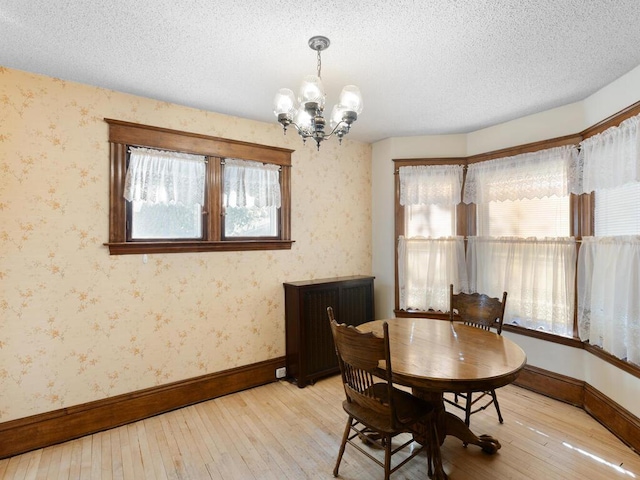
(137, 248)
(125, 134)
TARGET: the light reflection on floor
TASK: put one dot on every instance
(600, 460)
(533, 429)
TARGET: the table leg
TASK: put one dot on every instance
(445, 423)
(427, 434)
(457, 428)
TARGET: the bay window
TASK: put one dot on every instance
(556, 225)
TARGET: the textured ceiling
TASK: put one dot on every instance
(424, 67)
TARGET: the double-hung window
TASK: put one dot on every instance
(252, 199)
(609, 261)
(165, 195)
(174, 191)
(523, 244)
(430, 255)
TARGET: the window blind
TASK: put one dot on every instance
(527, 217)
(617, 211)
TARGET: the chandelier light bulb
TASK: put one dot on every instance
(312, 91)
(284, 103)
(336, 115)
(303, 121)
(351, 98)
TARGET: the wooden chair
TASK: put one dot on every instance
(482, 311)
(377, 410)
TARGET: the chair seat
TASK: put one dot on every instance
(409, 409)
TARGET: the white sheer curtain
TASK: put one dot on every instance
(251, 184)
(611, 158)
(537, 274)
(162, 177)
(430, 184)
(426, 268)
(609, 295)
(609, 266)
(530, 175)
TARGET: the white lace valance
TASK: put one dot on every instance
(162, 177)
(611, 158)
(529, 175)
(249, 184)
(430, 184)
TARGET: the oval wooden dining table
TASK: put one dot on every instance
(436, 356)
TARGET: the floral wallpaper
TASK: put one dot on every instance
(79, 325)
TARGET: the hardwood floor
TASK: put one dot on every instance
(279, 431)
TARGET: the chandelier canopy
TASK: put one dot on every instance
(306, 112)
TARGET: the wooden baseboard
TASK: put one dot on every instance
(38, 431)
(617, 419)
(554, 385)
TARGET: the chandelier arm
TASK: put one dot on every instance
(305, 134)
(337, 127)
(298, 129)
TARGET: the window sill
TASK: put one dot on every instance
(630, 368)
(549, 337)
(133, 248)
(433, 314)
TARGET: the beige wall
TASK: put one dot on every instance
(79, 325)
(569, 119)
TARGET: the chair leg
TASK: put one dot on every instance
(342, 445)
(431, 447)
(467, 409)
(433, 451)
(387, 457)
(495, 402)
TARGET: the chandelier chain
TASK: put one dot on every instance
(319, 64)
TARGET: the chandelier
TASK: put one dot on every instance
(306, 113)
